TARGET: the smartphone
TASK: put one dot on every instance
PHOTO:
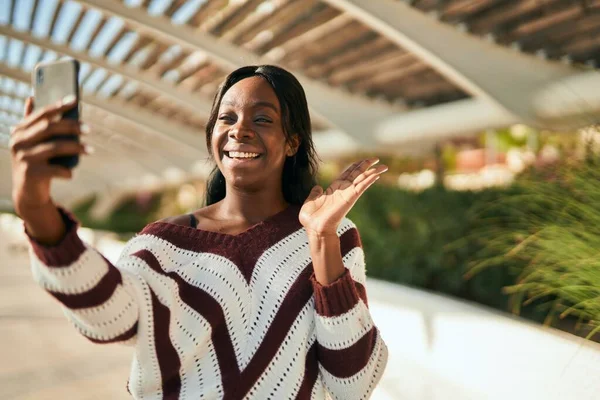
(51, 82)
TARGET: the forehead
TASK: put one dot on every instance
(250, 92)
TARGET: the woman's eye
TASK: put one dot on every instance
(225, 118)
(262, 119)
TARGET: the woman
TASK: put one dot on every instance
(258, 295)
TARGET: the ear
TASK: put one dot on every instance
(293, 145)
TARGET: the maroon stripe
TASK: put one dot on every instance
(67, 251)
(205, 305)
(311, 372)
(121, 338)
(345, 363)
(168, 359)
(243, 249)
(336, 298)
(295, 299)
(349, 240)
(94, 297)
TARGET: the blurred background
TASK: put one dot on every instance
(482, 241)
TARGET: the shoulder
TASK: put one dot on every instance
(183, 219)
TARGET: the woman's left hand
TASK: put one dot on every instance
(323, 211)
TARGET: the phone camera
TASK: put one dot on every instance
(40, 76)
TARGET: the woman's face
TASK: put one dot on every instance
(248, 142)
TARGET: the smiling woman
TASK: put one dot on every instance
(277, 115)
(258, 295)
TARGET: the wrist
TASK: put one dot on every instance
(25, 210)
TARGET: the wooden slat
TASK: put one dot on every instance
(390, 76)
(503, 14)
(282, 18)
(370, 49)
(545, 36)
(140, 42)
(312, 18)
(76, 25)
(11, 12)
(96, 31)
(173, 7)
(383, 60)
(116, 38)
(235, 33)
(328, 28)
(54, 18)
(547, 22)
(207, 9)
(34, 10)
(462, 8)
(160, 68)
(328, 44)
(155, 52)
(232, 15)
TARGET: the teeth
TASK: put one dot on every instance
(239, 154)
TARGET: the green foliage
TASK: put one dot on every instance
(127, 219)
(422, 240)
(549, 231)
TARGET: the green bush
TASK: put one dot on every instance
(549, 232)
(422, 240)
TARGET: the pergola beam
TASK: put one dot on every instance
(497, 74)
(190, 102)
(350, 113)
(184, 143)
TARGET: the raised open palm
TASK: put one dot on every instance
(323, 211)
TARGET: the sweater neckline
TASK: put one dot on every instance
(285, 215)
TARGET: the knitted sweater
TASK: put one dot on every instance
(218, 316)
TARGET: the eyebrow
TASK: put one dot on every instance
(255, 105)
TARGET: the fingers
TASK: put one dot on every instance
(314, 193)
(380, 169)
(43, 152)
(366, 183)
(358, 168)
(44, 130)
(52, 112)
(28, 109)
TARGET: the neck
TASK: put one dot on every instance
(251, 206)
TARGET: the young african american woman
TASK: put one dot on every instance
(260, 294)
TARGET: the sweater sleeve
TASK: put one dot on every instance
(98, 298)
(351, 353)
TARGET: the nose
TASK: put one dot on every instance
(241, 130)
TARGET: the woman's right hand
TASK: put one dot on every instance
(30, 152)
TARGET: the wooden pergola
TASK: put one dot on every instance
(380, 75)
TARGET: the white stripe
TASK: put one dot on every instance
(147, 377)
(318, 390)
(110, 319)
(361, 384)
(290, 359)
(354, 260)
(193, 345)
(342, 331)
(344, 226)
(276, 271)
(216, 275)
(79, 277)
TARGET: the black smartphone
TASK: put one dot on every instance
(52, 82)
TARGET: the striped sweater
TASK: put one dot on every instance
(218, 316)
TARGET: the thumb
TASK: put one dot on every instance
(314, 193)
(28, 106)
